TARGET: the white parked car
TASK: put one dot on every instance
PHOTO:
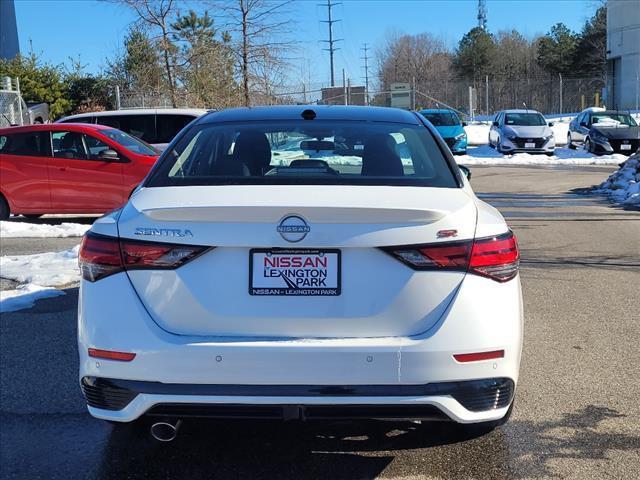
(302, 263)
(156, 126)
(514, 131)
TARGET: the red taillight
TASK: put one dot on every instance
(478, 356)
(497, 257)
(493, 257)
(111, 355)
(101, 256)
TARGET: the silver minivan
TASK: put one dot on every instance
(156, 126)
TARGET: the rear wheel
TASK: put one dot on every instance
(4, 208)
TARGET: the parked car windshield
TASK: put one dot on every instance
(613, 119)
(131, 143)
(442, 119)
(525, 119)
(303, 152)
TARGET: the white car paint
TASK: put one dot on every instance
(393, 325)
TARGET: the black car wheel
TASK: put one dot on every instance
(569, 142)
(4, 209)
(587, 145)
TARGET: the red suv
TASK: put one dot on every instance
(69, 168)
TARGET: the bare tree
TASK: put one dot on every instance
(157, 15)
(260, 30)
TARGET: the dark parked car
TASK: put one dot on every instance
(603, 131)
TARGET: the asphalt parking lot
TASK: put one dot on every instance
(577, 413)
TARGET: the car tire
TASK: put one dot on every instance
(570, 143)
(32, 216)
(491, 145)
(587, 145)
(4, 209)
(549, 154)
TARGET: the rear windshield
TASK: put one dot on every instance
(304, 152)
(525, 119)
(442, 119)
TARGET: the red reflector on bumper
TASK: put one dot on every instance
(476, 357)
(110, 355)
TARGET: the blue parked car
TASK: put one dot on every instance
(450, 128)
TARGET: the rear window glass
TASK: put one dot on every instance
(35, 144)
(442, 119)
(303, 152)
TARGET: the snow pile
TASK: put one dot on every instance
(17, 229)
(25, 296)
(623, 186)
(486, 155)
(39, 275)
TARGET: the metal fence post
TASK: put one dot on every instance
(486, 93)
(19, 101)
(117, 97)
(560, 93)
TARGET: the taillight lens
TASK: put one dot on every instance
(497, 257)
(493, 257)
(101, 255)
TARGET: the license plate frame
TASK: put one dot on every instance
(304, 291)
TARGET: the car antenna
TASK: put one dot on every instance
(525, 107)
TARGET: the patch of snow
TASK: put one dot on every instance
(17, 229)
(25, 296)
(39, 274)
(486, 155)
(623, 186)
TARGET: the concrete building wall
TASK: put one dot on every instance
(9, 46)
(623, 54)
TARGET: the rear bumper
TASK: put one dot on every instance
(464, 401)
(395, 374)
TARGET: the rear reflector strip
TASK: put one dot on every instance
(111, 355)
(478, 356)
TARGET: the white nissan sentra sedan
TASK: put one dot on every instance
(302, 262)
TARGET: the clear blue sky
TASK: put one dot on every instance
(59, 29)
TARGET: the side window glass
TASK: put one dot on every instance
(95, 146)
(168, 126)
(68, 145)
(33, 144)
(140, 126)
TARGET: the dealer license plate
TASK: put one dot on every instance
(294, 272)
(529, 145)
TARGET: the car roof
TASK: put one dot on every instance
(196, 112)
(323, 112)
(612, 112)
(437, 110)
(55, 127)
(521, 110)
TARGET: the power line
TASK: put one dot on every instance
(482, 14)
(365, 49)
(331, 40)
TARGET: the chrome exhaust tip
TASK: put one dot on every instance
(165, 431)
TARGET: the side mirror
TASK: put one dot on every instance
(467, 172)
(464, 124)
(495, 124)
(109, 155)
(551, 124)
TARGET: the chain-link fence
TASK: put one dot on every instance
(549, 95)
(11, 108)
